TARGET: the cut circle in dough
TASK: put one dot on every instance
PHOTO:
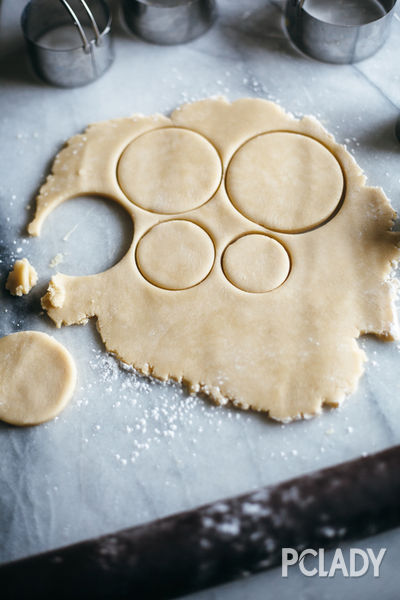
(256, 263)
(285, 181)
(169, 171)
(175, 255)
(37, 378)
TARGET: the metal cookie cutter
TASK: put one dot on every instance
(169, 21)
(343, 39)
(69, 42)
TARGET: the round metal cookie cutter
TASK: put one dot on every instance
(333, 41)
(69, 41)
(398, 128)
(168, 22)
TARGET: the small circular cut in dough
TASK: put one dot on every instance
(285, 181)
(256, 263)
(175, 255)
(169, 170)
(37, 378)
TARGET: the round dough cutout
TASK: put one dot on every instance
(175, 255)
(169, 170)
(256, 263)
(284, 181)
(37, 378)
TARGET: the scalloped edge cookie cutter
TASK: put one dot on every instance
(340, 44)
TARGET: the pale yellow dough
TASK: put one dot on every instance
(285, 181)
(300, 265)
(37, 378)
(22, 278)
(175, 255)
(256, 263)
(169, 170)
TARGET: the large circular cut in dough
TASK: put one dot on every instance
(256, 263)
(169, 170)
(285, 181)
(37, 378)
(175, 255)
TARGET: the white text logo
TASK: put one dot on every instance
(313, 562)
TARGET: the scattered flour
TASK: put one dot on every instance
(56, 260)
(171, 416)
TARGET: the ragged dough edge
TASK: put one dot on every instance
(213, 392)
(78, 176)
(215, 395)
(339, 399)
(56, 297)
(42, 202)
(390, 332)
(56, 293)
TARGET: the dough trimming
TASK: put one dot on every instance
(22, 278)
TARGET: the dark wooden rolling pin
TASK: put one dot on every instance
(218, 542)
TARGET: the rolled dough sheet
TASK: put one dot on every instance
(259, 253)
(37, 378)
(22, 278)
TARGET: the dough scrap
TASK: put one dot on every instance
(287, 351)
(22, 278)
(37, 378)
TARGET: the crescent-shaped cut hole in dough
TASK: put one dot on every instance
(37, 378)
(175, 255)
(256, 263)
(90, 234)
(169, 171)
(285, 181)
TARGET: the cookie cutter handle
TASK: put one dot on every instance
(84, 55)
(78, 25)
(293, 6)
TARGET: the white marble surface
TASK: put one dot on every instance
(126, 450)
